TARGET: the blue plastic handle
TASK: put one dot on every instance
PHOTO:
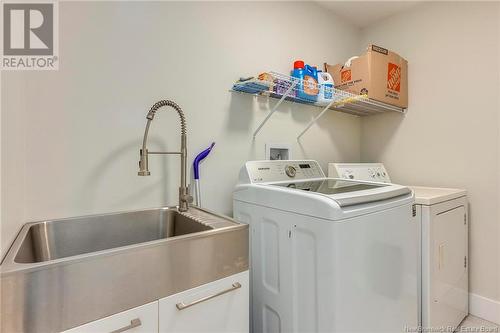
(200, 157)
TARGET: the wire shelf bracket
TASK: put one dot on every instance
(334, 105)
(275, 107)
(314, 120)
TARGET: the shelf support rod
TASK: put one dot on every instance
(315, 119)
(285, 95)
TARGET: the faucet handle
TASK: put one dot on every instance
(184, 199)
(187, 198)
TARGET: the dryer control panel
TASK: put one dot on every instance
(374, 172)
(282, 170)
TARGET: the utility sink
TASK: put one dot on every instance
(63, 273)
(51, 240)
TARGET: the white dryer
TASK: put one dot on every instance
(327, 255)
(442, 216)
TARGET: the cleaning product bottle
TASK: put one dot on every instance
(326, 83)
(310, 88)
(307, 89)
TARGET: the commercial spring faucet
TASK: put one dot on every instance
(184, 197)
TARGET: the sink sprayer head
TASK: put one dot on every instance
(143, 164)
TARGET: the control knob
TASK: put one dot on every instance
(290, 171)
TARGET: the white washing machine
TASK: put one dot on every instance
(442, 216)
(327, 255)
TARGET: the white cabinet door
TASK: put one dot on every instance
(220, 306)
(142, 319)
(449, 274)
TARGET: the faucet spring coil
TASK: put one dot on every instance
(172, 104)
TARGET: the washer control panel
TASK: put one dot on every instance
(374, 172)
(276, 171)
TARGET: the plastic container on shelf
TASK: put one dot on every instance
(307, 88)
(325, 82)
(252, 85)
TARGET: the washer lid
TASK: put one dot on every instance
(434, 195)
(348, 192)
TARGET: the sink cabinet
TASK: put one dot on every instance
(220, 306)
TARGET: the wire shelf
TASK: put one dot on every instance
(286, 88)
(277, 85)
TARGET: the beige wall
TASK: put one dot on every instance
(450, 136)
(70, 138)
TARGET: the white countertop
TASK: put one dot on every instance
(434, 195)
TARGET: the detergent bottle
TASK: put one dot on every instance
(307, 88)
(325, 82)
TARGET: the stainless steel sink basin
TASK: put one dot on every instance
(64, 238)
(63, 273)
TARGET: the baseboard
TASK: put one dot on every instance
(484, 308)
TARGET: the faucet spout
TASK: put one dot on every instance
(184, 197)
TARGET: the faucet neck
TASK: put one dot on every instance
(184, 197)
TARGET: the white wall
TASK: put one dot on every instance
(70, 138)
(450, 136)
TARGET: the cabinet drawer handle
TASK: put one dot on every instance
(133, 324)
(182, 306)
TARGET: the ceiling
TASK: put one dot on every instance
(364, 13)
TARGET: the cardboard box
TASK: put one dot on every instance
(379, 73)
